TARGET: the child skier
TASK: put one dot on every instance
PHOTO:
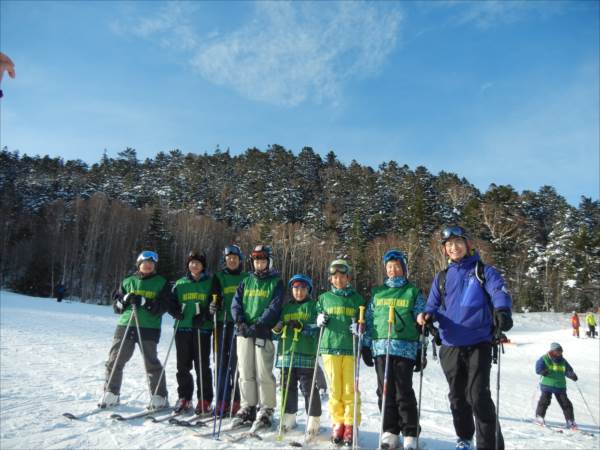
(338, 313)
(147, 292)
(224, 285)
(400, 414)
(299, 313)
(575, 323)
(553, 369)
(256, 308)
(189, 304)
(591, 323)
(471, 304)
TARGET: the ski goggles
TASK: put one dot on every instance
(232, 250)
(147, 255)
(449, 232)
(341, 268)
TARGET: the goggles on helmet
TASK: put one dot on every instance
(261, 252)
(232, 250)
(300, 280)
(456, 231)
(340, 266)
(147, 255)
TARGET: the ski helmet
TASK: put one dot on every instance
(300, 278)
(233, 250)
(454, 231)
(262, 252)
(146, 255)
(341, 266)
(396, 255)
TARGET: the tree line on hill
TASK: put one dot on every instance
(65, 221)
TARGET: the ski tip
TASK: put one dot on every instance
(295, 444)
(69, 416)
(117, 417)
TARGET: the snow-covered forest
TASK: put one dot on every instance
(83, 225)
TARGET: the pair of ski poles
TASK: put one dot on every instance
(284, 390)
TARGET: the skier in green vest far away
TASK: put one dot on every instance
(188, 304)
(554, 370)
(256, 308)
(148, 292)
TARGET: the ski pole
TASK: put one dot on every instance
(235, 383)
(423, 342)
(385, 371)
(499, 354)
(287, 383)
(112, 371)
(586, 404)
(220, 373)
(232, 349)
(200, 363)
(139, 339)
(361, 327)
(215, 349)
(162, 372)
(312, 385)
(282, 379)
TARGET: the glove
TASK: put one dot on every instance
(293, 324)
(178, 313)
(244, 330)
(213, 308)
(152, 307)
(367, 356)
(574, 377)
(137, 300)
(502, 320)
(545, 372)
(322, 319)
(278, 327)
(354, 329)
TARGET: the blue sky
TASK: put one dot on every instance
(498, 92)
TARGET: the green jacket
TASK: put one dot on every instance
(403, 302)
(306, 313)
(337, 338)
(556, 373)
(224, 285)
(190, 292)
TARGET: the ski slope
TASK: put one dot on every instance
(52, 358)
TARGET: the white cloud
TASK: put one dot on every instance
(286, 53)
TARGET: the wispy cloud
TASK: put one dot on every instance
(285, 53)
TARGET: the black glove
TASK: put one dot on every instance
(177, 314)
(574, 377)
(293, 324)
(545, 372)
(153, 307)
(137, 300)
(502, 320)
(242, 329)
(213, 308)
(198, 320)
(367, 356)
(420, 364)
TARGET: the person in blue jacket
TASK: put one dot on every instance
(554, 370)
(470, 302)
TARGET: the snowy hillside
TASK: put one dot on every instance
(52, 359)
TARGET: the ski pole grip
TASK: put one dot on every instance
(197, 308)
(391, 315)
(296, 333)
(361, 314)
(284, 332)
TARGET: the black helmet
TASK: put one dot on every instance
(196, 256)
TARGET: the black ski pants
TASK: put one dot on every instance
(186, 343)
(400, 415)
(467, 371)
(224, 348)
(303, 377)
(563, 401)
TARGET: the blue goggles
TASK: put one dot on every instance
(147, 255)
(449, 232)
(232, 250)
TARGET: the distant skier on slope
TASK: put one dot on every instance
(575, 323)
(554, 369)
(591, 323)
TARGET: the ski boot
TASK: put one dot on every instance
(571, 425)
(158, 402)
(183, 404)
(289, 421)
(337, 433)
(264, 419)
(540, 421)
(244, 416)
(203, 408)
(108, 399)
(410, 443)
(348, 435)
(313, 424)
(463, 444)
(389, 441)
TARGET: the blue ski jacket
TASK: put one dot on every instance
(467, 316)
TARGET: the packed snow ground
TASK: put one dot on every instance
(52, 358)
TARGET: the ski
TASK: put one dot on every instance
(81, 416)
(579, 430)
(136, 415)
(237, 437)
(196, 420)
(167, 417)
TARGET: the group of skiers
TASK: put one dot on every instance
(590, 320)
(246, 312)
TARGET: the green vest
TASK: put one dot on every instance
(258, 293)
(556, 377)
(403, 300)
(146, 287)
(337, 338)
(189, 293)
(306, 313)
(229, 284)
